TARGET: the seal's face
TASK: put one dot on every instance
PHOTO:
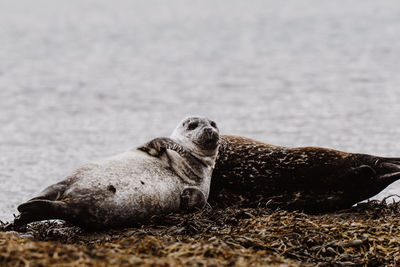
(197, 133)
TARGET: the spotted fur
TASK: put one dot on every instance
(311, 179)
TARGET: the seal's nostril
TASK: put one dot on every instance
(208, 130)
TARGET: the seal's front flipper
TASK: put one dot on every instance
(191, 199)
(186, 165)
(156, 147)
(38, 210)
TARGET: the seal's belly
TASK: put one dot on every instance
(130, 186)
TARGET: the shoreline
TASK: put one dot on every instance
(368, 234)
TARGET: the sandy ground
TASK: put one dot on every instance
(84, 80)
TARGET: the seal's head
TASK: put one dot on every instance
(198, 134)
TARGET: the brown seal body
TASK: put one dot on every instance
(311, 179)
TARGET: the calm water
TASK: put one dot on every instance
(82, 80)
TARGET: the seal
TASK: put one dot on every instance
(165, 175)
(311, 179)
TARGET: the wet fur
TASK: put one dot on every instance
(129, 187)
(311, 179)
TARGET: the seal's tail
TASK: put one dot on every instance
(45, 206)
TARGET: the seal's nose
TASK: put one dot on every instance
(208, 137)
(211, 133)
(208, 130)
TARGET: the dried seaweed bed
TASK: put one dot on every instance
(366, 235)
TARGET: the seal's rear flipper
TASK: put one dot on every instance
(38, 210)
(389, 167)
(388, 171)
(389, 178)
(55, 191)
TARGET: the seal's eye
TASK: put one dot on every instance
(213, 124)
(193, 125)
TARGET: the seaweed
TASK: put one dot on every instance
(365, 235)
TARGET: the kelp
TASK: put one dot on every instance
(365, 235)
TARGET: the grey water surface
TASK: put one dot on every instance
(83, 80)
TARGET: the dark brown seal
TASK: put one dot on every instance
(311, 179)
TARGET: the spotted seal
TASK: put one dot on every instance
(311, 179)
(165, 175)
